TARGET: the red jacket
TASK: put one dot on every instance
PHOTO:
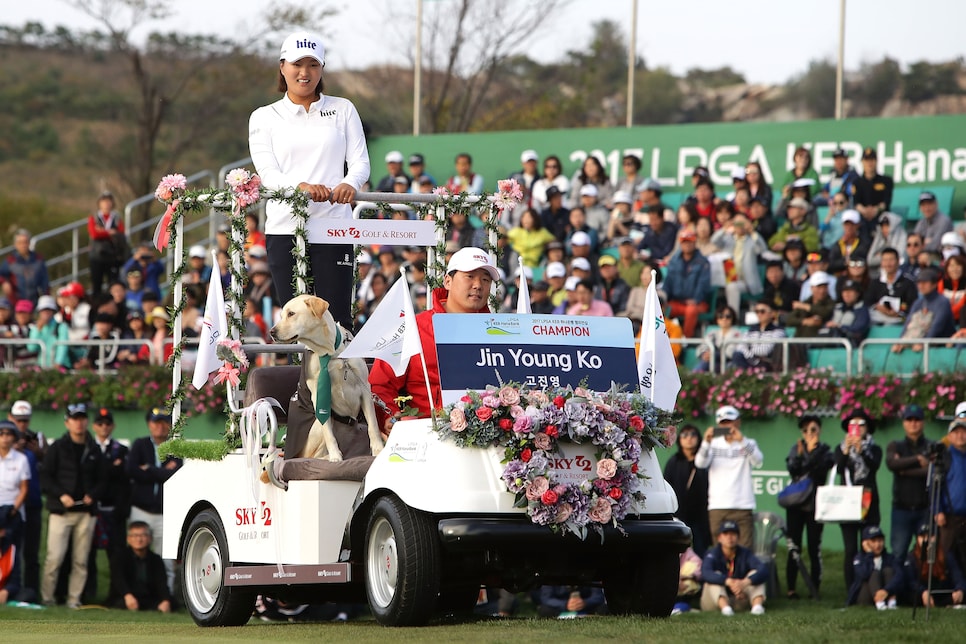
(387, 385)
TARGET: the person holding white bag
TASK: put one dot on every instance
(858, 458)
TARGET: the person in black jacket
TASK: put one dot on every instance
(114, 505)
(148, 471)
(690, 484)
(948, 582)
(908, 460)
(734, 578)
(73, 480)
(878, 576)
(859, 458)
(138, 575)
(810, 458)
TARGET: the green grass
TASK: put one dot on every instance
(786, 621)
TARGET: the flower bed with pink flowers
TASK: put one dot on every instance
(530, 424)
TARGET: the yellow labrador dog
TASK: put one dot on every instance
(306, 319)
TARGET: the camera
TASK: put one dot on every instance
(721, 430)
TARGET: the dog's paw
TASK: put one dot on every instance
(335, 456)
(376, 448)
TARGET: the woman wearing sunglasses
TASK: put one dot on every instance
(860, 457)
(808, 458)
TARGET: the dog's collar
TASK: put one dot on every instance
(338, 337)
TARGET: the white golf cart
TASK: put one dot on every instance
(415, 534)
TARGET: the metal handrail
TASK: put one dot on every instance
(786, 342)
(23, 342)
(102, 344)
(926, 342)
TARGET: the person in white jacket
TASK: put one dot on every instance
(729, 457)
(315, 143)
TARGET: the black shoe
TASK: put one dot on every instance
(792, 594)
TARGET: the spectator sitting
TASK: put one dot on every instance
(417, 170)
(592, 172)
(638, 295)
(552, 177)
(810, 316)
(582, 235)
(555, 217)
(953, 283)
(540, 302)
(23, 315)
(891, 296)
(136, 330)
(688, 283)
(757, 184)
(930, 315)
(841, 178)
(891, 233)
(586, 304)
(161, 345)
(597, 216)
(152, 270)
(947, 574)
(933, 224)
(849, 245)
(780, 291)
(629, 265)
(872, 191)
(460, 230)
(762, 221)
(566, 601)
(649, 195)
(556, 274)
(734, 578)
(49, 329)
(105, 356)
(138, 575)
(703, 198)
(755, 354)
(796, 226)
(570, 299)
(850, 318)
(878, 575)
(802, 169)
(703, 230)
(530, 238)
(394, 161)
(816, 262)
(726, 330)
(659, 235)
(198, 272)
(610, 287)
(689, 581)
(795, 266)
(621, 218)
(465, 180)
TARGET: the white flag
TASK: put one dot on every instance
(655, 362)
(390, 334)
(523, 294)
(214, 328)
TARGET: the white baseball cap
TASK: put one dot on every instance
(364, 258)
(302, 44)
(556, 269)
(622, 197)
(580, 238)
(581, 263)
(197, 251)
(471, 258)
(589, 190)
(394, 157)
(46, 303)
(527, 273)
(951, 239)
(21, 409)
(820, 278)
(851, 216)
(961, 409)
(571, 283)
(529, 155)
(727, 412)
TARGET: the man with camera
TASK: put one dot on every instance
(729, 455)
(951, 517)
(908, 460)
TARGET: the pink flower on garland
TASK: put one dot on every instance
(227, 372)
(169, 185)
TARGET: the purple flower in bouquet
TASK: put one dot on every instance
(523, 424)
(491, 401)
(514, 475)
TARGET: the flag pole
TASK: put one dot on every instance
(422, 356)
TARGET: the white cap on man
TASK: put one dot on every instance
(557, 269)
(21, 410)
(529, 155)
(471, 258)
(302, 44)
(394, 157)
(726, 412)
(820, 278)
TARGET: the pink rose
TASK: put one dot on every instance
(564, 510)
(549, 497)
(670, 436)
(606, 468)
(522, 425)
(582, 392)
(516, 411)
(489, 400)
(457, 420)
(509, 396)
(542, 441)
(538, 398)
(600, 512)
(484, 413)
(536, 488)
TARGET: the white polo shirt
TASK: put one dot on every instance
(14, 468)
(289, 145)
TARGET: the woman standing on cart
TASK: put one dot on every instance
(316, 143)
(809, 457)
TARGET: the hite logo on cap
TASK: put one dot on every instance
(307, 44)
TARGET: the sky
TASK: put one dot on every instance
(769, 41)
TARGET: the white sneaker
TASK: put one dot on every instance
(880, 605)
(758, 609)
(891, 605)
(728, 611)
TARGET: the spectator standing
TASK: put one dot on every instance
(952, 515)
(872, 191)
(908, 460)
(28, 268)
(860, 458)
(878, 574)
(745, 246)
(808, 458)
(734, 578)
(933, 224)
(148, 470)
(49, 330)
(690, 485)
(33, 446)
(14, 485)
(114, 505)
(138, 574)
(729, 459)
(394, 161)
(73, 479)
(109, 247)
(841, 179)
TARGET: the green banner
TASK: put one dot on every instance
(914, 150)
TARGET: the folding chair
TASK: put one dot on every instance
(769, 528)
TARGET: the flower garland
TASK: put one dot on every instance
(530, 424)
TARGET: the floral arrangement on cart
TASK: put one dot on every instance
(530, 424)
